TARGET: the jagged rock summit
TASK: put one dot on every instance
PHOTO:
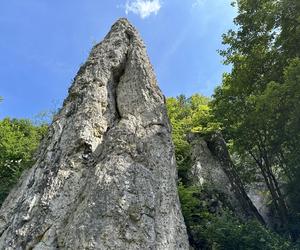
(105, 176)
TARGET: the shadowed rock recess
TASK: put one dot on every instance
(105, 175)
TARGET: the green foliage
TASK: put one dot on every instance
(228, 233)
(188, 115)
(211, 225)
(18, 142)
(258, 101)
(199, 205)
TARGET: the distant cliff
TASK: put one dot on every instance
(212, 164)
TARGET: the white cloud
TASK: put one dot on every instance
(143, 8)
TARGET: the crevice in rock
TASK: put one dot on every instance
(117, 74)
(160, 124)
(4, 229)
(113, 107)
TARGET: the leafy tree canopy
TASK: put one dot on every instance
(19, 139)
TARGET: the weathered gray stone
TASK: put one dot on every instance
(207, 170)
(105, 176)
(212, 165)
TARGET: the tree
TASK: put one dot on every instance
(19, 140)
(258, 101)
(228, 232)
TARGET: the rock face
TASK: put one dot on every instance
(206, 168)
(105, 176)
(212, 165)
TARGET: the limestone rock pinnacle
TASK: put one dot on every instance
(105, 175)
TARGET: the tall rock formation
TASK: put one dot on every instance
(105, 176)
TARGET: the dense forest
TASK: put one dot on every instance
(256, 109)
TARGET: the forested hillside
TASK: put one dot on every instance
(256, 109)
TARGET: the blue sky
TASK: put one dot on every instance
(44, 42)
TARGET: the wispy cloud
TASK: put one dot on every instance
(143, 8)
